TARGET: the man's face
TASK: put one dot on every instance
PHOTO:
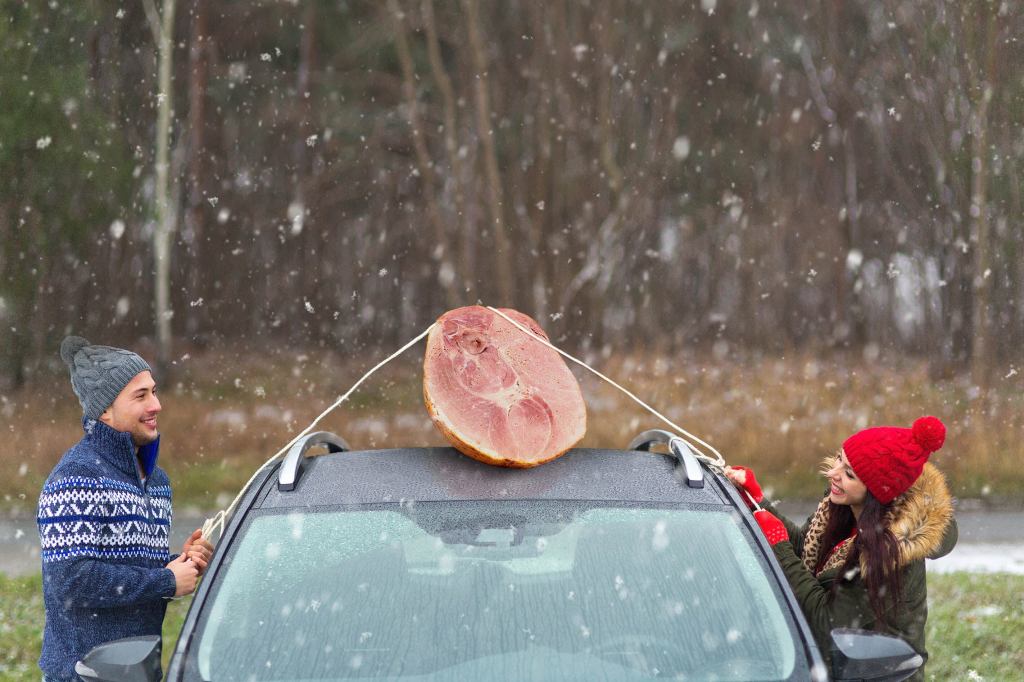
(135, 409)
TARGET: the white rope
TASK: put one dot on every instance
(218, 519)
(717, 461)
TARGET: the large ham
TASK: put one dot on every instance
(499, 395)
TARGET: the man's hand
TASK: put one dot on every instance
(198, 549)
(185, 575)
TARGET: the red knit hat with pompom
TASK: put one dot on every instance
(889, 459)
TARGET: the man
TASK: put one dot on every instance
(105, 515)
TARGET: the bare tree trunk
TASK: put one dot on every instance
(604, 100)
(198, 78)
(982, 85)
(423, 160)
(163, 33)
(18, 291)
(980, 350)
(467, 254)
(502, 253)
(304, 140)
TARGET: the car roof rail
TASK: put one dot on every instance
(291, 469)
(677, 447)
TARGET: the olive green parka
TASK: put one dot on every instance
(922, 521)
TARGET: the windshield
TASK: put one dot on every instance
(485, 590)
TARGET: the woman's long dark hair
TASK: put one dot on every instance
(877, 543)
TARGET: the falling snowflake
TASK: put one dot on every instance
(265, 56)
(311, 140)
(681, 148)
(309, 307)
(382, 272)
(43, 142)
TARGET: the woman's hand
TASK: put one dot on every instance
(743, 478)
(773, 529)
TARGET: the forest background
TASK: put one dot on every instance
(779, 222)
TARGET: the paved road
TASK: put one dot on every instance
(989, 541)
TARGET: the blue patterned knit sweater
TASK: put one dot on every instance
(104, 536)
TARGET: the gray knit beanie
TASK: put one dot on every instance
(99, 373)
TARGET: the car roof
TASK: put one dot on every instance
(436, 474)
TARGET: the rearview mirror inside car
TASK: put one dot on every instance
(134, 659)
(863, 655)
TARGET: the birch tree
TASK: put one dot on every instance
(162, 27)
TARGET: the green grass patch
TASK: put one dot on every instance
(22, 617)
(175, 618)
(21, 627)
(975, 627)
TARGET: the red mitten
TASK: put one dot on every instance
(773, 529)
(744, 478)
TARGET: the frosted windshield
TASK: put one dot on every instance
(485, 590)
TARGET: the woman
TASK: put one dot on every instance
(858, 562)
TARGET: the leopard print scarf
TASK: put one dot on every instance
(812, 542)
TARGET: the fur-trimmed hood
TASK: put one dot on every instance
(919, 517)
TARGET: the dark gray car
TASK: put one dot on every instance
(423, 564)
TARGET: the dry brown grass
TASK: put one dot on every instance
(225, 413)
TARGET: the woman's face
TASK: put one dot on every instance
(846, 487)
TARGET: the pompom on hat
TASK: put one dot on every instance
(888, 459)
(99, 373)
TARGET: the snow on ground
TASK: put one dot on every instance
(981, 558)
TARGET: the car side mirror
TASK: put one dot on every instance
(863, 655)
(134, 659)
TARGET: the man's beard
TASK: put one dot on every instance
(141, 437)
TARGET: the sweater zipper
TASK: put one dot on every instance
(144, 484)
